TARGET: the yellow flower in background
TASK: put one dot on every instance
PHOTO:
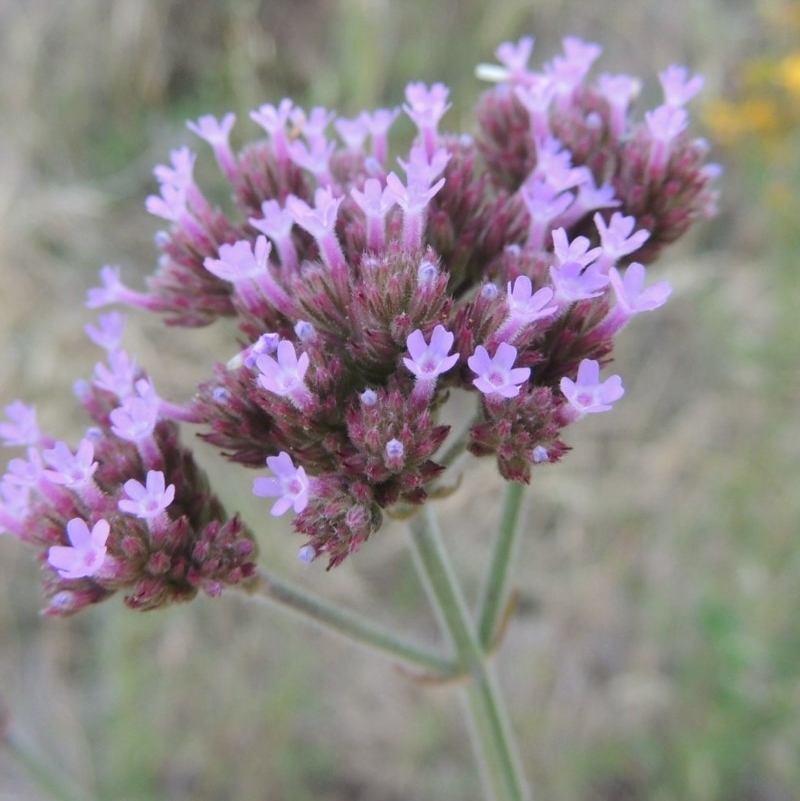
(789, 73)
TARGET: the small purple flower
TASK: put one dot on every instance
(170, 204)
(14, 506)
(353, 132)
(284, 376)
(588, 395)
(544, 204)
(86, 553)
(313, 155)
(536, 96)
(619, 91)
(426, 107)
(180, 174)
(274, 121)
(497, 375)
(277, 224)
(217, 134)
(119, 377)
(632, 298)
(378, 124)
(265, 344)
(526, 306)
(631, 292)
(22, 428)
(320, 222)
(678, 87)
(290, 485)
(618, 239)
(212, 130)
(430, 360)
(664, 125)
(375, 201)
(241, 261)
(570, 69)
(68, 468)
(149, 500)
(135, 420)
(514, 58)
(554, 166)
(575, 251)
(26, 472)
(108, 332)
(572, 282)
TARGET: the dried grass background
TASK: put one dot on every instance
(655, 650)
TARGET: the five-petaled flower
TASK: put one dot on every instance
(148, 500)
(289, 484)
(497, 375)
(284, 376)
(85, 554)
(589, 395)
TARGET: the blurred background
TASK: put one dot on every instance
(655, 654)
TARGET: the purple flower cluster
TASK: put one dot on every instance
(501, 264)
(128, 510)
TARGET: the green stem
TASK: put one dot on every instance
(493, 603)
(45, 776)
(327, 615)
(493, 739)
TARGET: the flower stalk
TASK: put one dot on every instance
(494, 598)
(273, 590)
(495, 748)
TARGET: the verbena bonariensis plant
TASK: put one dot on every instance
(502, 264)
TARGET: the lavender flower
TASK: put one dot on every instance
(217, 134)
(85, 554)
(429, 360)
(290, 485)
(107, 334)
(148, 500)
(617, 238)
(497, 375)
(21, 428)
(587, 394)
(284, 376)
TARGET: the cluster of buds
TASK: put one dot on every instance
(129, 509)
(501, 265)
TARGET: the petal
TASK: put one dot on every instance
(287, 358)
(415, 343)
(442, 340)
(67, 561)
(505, 356)
(79, 534)
(267, 487)
(280, 506)
(479, 362)
(100, 534)
(588, 373)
